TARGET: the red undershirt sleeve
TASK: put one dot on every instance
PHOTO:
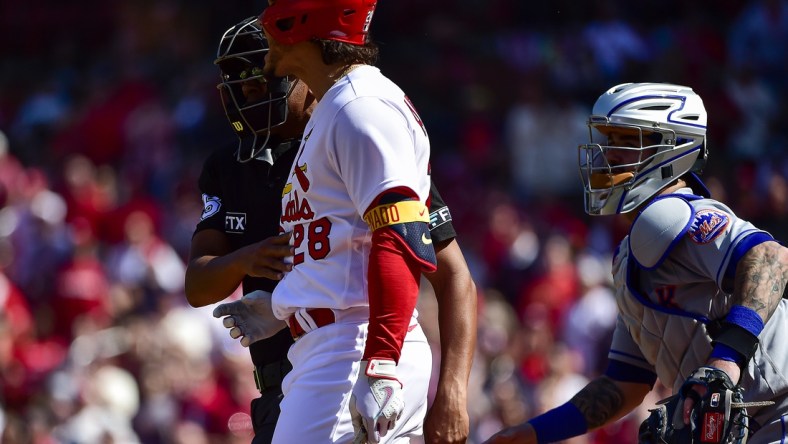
(394, 276)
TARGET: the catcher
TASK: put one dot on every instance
(700, 291)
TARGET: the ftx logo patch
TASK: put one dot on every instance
(234, 222)
(439, 217)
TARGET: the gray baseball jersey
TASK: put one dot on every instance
(673, 276)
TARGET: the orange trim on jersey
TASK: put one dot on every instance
(396, 213)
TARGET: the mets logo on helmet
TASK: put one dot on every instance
(708, 225)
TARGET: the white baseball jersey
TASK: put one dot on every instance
(363, 138)
(673, 276)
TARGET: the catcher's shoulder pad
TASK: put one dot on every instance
(657, 229)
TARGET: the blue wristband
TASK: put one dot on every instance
(722, 351)
(746, 318)
(736, 347)
(558, 424)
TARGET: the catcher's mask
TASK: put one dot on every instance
(254, 104)
(643, 137)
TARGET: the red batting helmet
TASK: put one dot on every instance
(293, 21)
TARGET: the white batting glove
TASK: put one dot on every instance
(250, 318)
(376, 402)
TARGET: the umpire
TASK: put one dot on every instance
(236, 241)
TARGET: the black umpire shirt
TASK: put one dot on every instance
(246, 200)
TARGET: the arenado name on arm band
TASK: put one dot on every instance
(396, 213)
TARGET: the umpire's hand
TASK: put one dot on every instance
(270, 258)
(250, 318)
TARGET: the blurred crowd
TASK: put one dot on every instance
(107, 111)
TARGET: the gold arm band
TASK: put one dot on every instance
(396, 213)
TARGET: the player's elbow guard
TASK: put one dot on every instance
(416, 238)
(408, 221)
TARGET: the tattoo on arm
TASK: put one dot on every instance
(599, 402)
(761, 279)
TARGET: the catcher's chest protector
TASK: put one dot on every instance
(666, 299)
(668, 277)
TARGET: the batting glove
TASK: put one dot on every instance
(250, 318)
(376, 402)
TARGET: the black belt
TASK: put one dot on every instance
(271, 375)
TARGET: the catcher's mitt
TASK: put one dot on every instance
(719, 417)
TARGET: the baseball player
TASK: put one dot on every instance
(699, 290)
(228, 238)
(355, 202)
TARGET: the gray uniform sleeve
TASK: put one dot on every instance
(623, 348)
(715, 242)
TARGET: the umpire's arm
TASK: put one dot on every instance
(455, 291)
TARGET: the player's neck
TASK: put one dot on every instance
(321, 79)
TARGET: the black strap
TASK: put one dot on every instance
(739, 339)
(271, 375)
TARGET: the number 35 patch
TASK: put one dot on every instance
(708, 225)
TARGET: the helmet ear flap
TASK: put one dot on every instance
(700, 162)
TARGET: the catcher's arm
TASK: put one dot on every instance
(759, 286)
(761, 278)
(605, 400)
(601, 402)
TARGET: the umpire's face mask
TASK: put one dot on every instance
(254, 104)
